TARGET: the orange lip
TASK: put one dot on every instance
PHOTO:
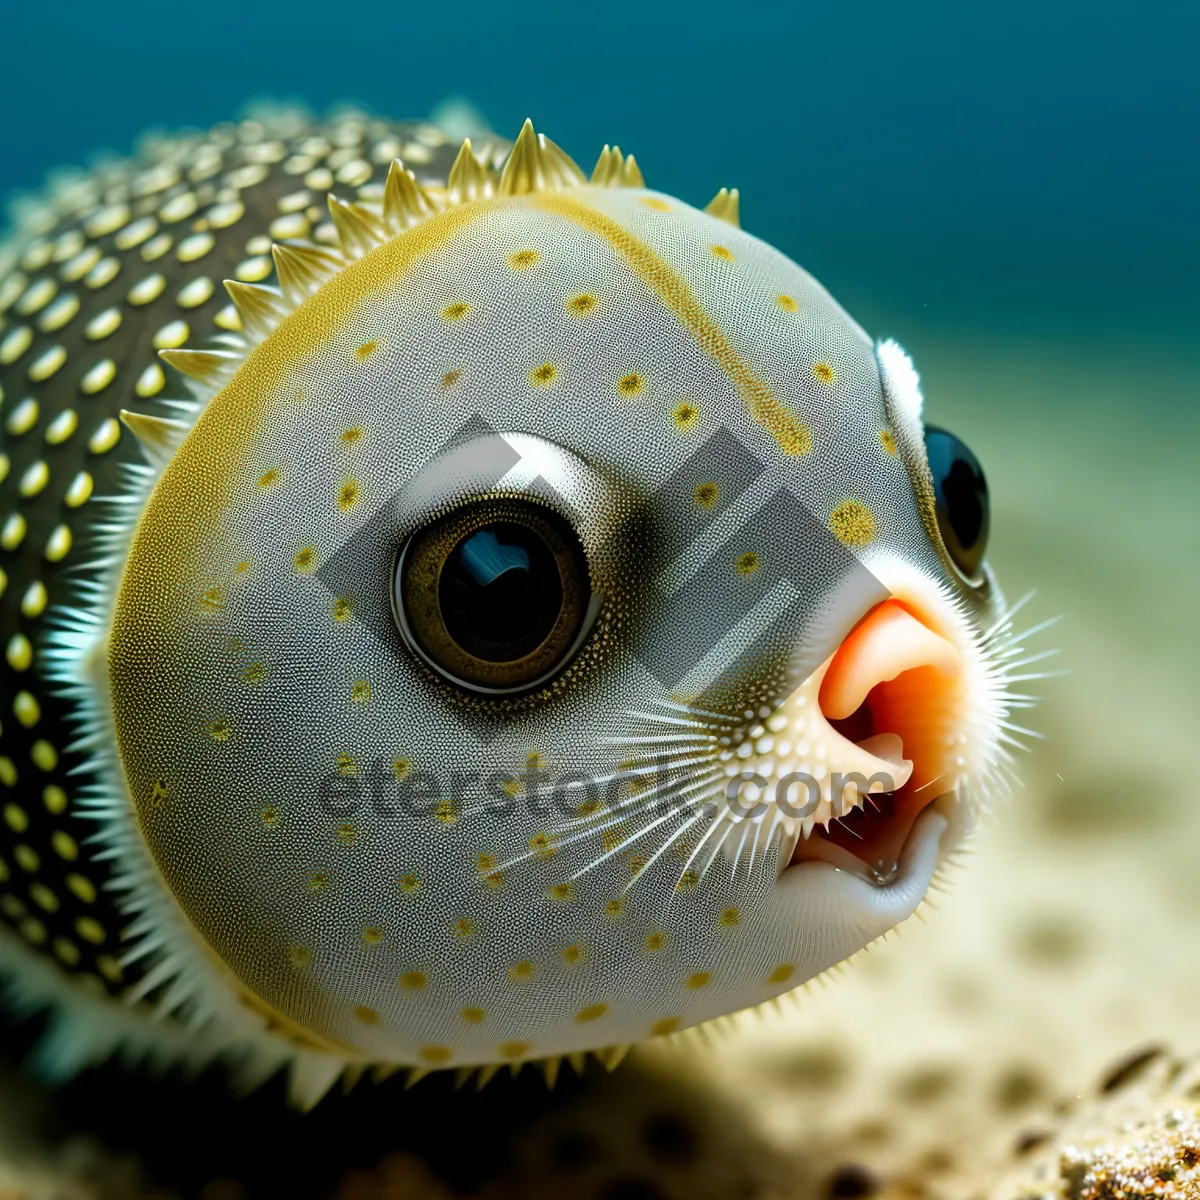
(893, 687)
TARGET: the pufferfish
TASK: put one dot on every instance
(514, 615)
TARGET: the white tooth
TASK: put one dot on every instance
(887, 746)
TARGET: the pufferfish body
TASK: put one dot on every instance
(526, 615)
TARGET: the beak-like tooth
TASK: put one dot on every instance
(888, 747)
(889, 641)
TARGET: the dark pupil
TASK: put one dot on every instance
(960, 491)
(500, 592)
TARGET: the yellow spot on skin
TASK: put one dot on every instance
(473, 1016)
(68, 952)
(220, 730)
(685, 415)
(706, 494)
(746, 564)
(109, 968)
(824, 372)
(687, 881)
(61, 428)
(360, 691)
(523, 971)
(348, 495)
(55, 799)
(796, 440)
(43, 755)
(543, 376)
(446, 812)
(561, 891)
(787, 303)
(342, 609)
(436, 1054)
(301, 956)
(656, 204)
(614, 907)
(581, 304)
(318, 882)
(631, 385)
(722, 252)
(413, 981)
(888, 442)
(256, 672)
(782, 973)
(19, 652)
(305, 560)
(269, 479)
(465, 929)
(698, 979)
(34, 930)
(366, 350)
(450, 379)
(494, 880)
(853, 524)
(729, 918)
(106, 436)
(543, 847)
(33, 602)
(351, 436)
(664, 1026)
(16, 818)
(593, 1012)
(514, 1049)
(455, 312)
(80, 490)
(409, 883)
(82, 887)
(90, 930)
(366, 1014)
(401, 768)
(372, 935)
(270, 816)
(26, 709)
(656, 940)
(523, 259)
(346, 833)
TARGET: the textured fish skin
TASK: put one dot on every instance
(126, 221)
(227, 915)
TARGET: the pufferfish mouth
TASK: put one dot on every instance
(890, 702)
(886, 727)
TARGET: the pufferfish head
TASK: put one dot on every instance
(556, 629)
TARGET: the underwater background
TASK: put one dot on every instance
(1010, 189)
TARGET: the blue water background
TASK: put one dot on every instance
(1028, 167)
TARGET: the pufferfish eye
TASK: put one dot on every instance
(495, 597)
(960, 499)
